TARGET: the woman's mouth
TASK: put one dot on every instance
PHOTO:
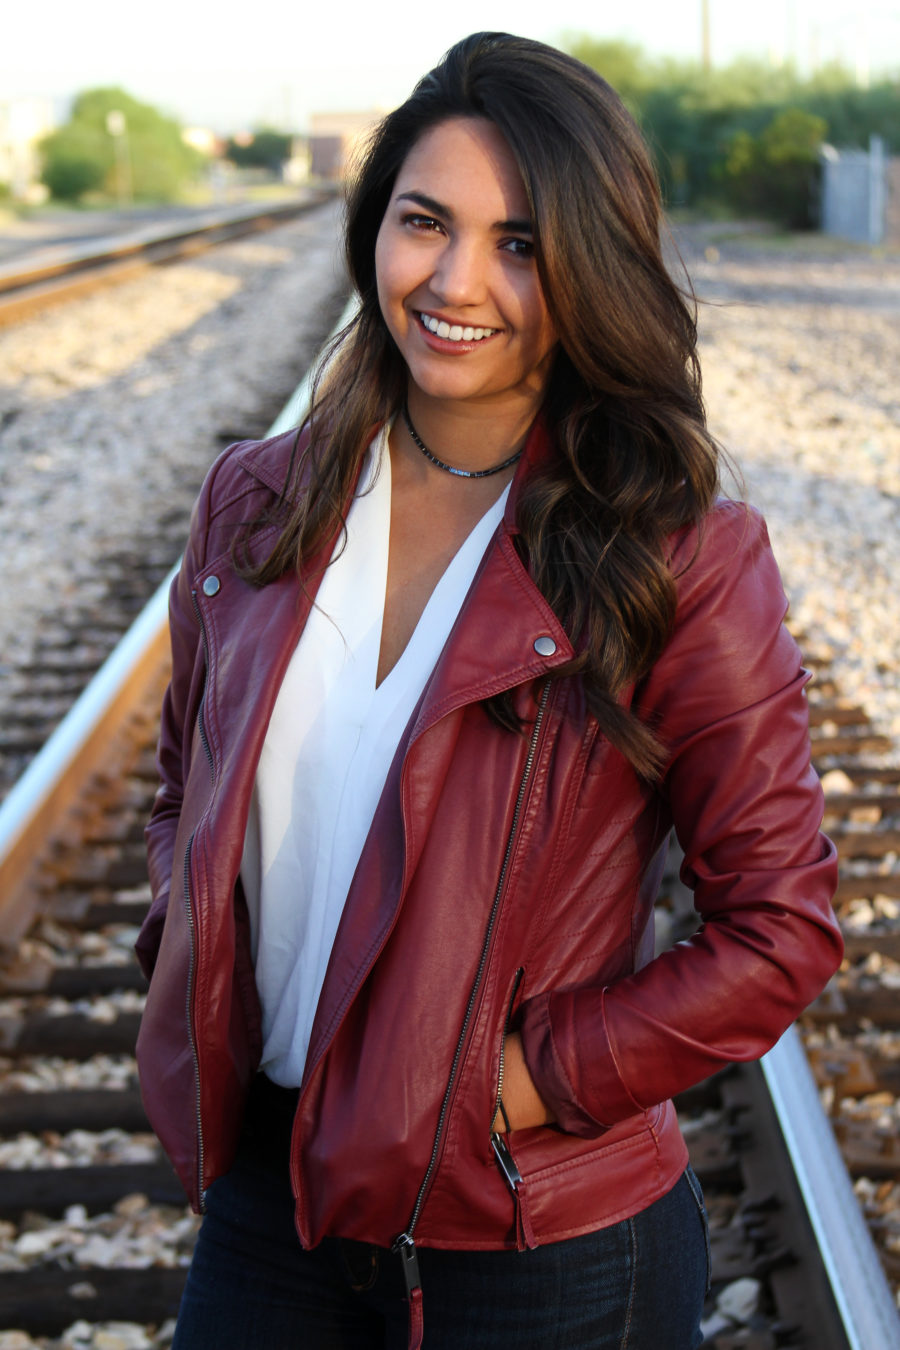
(454, 332)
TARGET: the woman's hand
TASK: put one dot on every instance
(522, 1102)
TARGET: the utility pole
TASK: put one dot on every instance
(863, 74)
(706, 41)
(792, 37)
(118, 130)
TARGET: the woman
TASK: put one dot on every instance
(447, 668)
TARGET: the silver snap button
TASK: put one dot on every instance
(212, 585)
(544, 646)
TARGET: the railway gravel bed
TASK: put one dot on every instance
(112, 407)
(90, 1213)
(800, 350)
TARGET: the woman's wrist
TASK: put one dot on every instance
(521, 1105)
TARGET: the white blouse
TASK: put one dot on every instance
(329, 745)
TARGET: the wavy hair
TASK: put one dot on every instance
(634, 461)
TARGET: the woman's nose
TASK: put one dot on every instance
(460, 275)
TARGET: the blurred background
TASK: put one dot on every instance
(746, 109)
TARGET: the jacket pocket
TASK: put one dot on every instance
(514, 992)
(499, 1132)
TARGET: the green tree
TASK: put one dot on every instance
(776, 173)
(622, 64)
(146, 158)
(265, 149)
(75, 162)
(734, 136)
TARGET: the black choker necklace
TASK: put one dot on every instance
(448, 468)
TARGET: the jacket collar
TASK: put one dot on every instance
(537, 451)
(506, 634)
(271, 460)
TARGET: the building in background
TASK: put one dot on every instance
(23, 123)
(333, 138)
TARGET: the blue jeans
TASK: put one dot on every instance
(638, 1285)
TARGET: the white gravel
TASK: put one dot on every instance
(801, 359)
(113, 406)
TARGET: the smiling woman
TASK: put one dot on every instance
(449, 664)
(459, 287)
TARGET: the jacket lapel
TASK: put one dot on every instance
(506, 635)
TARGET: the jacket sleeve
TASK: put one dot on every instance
(178, 711)
(727, 697)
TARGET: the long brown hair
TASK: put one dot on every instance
(634, 460)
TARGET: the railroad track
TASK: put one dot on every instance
(93, 590)
(93, 1227)
(54, 274)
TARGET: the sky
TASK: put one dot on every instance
(257, 62)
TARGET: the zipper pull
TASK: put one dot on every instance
(507, 1163)
(514, 1180)
(405, 1248)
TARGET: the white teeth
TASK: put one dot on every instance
(455, 332)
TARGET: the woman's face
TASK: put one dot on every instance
(457, 279)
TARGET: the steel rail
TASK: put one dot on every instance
(42, 799)
(56, 273)
(858, 1284)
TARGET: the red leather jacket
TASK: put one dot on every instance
(507, 880)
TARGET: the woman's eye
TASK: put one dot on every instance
(520, 248)
(420, 222)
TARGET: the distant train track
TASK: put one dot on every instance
(107, 1232)
(55, 274)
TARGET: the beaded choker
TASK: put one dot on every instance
(448, 468)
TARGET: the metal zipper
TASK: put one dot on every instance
(192, 932)
(502, 1064)
(192, 928)
(505, 1160)
(404, 1245)
(200, 723)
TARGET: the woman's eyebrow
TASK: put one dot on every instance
(428, 203)
(436, 208)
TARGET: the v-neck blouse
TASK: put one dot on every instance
(329, 744)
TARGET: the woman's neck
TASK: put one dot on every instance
(467, 436)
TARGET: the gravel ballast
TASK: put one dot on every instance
(112, 408)
(800, 357)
